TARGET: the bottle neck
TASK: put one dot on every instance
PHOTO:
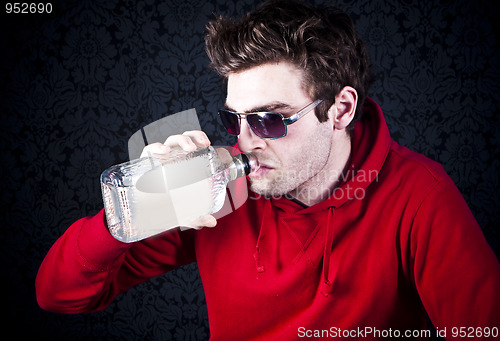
(242, 165)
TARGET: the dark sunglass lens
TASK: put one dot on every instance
(230, 121)
(269, 125)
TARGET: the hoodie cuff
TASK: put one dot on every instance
(98, 249)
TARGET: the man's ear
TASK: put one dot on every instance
(342, 111)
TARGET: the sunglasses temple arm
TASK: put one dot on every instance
(294, 118)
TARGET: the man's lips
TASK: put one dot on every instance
(261, 171)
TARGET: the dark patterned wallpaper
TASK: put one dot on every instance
(77, 83)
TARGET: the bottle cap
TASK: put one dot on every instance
(250, 163)
(243, 164)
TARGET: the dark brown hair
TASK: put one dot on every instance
(322, 42)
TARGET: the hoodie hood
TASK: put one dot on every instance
(370, 146)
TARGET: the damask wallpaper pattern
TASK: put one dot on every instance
(77, 83)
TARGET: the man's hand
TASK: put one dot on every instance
(188, 141)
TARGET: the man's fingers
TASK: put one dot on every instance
(155, 149)
(198, 224)
(207, 221)
(198, 137)
(188, 141)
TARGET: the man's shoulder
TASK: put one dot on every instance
(405, 163)
(409, 179)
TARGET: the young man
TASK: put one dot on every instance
(346, 233)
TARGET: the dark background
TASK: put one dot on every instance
(77, 83)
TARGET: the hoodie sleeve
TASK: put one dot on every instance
(86, 267)
(456, 273)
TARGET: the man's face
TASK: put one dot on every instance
(290, 162)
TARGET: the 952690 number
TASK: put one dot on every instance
(28, 8)
(477, 332)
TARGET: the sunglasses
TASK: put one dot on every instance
(266, 125)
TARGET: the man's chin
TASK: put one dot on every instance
(266, 189)
(259, 187)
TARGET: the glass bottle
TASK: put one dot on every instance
(151, 195)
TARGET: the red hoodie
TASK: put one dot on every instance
(394, 242)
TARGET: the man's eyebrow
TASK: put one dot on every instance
(271, 107)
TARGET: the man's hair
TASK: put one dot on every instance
(321, 42)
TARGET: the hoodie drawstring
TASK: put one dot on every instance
(257, 256)
(327, 285)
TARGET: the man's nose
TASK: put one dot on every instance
(247, 140)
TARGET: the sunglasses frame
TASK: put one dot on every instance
(286, 120)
